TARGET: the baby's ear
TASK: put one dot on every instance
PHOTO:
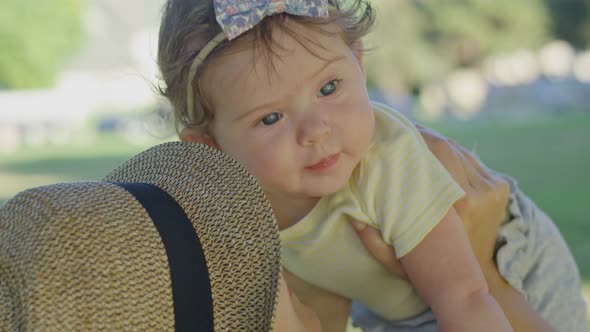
(197, 136)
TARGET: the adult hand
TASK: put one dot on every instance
(482, 209)
(331, 309)
(484, 206)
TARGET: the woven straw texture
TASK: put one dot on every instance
(87, 257)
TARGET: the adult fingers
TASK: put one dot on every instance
(474, 161)
(378, 248)
(484, 180)
(447, 155)
(474, 173)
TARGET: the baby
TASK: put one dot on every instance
(279, 86)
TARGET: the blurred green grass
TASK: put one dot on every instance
(548, 155)
(90, 160)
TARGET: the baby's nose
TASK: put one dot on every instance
(313, 129)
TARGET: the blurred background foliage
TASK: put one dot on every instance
(76, 95)
(570, 20)
(36, 37)
(428, 39)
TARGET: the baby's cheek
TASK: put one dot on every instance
(364, 125)
(265, 167)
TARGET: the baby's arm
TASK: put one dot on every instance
(446, 274)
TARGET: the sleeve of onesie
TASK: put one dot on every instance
(409, 190)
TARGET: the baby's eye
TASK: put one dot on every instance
(329, 88)
(271, 118)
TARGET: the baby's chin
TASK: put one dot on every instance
(315, 191)
(319, 190)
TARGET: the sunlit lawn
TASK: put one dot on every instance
(549, 156)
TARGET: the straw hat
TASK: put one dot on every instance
(180, 237)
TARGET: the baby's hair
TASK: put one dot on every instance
(188, 25)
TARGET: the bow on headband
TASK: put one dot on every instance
(238, 16)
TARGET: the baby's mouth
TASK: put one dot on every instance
(324, 163)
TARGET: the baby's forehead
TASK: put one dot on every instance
(248, 81)
(251, 71)
(255, 63)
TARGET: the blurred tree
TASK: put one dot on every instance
(35, 39)
(400, 56)
(418, 41)
(570, 20)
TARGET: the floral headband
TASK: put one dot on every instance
(238, 16)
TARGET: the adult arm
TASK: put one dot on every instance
(331, 309)
(481, 210)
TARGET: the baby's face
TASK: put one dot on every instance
(300, 128)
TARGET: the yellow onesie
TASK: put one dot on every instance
(399, 188)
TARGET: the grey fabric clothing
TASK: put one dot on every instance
(533, 258)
